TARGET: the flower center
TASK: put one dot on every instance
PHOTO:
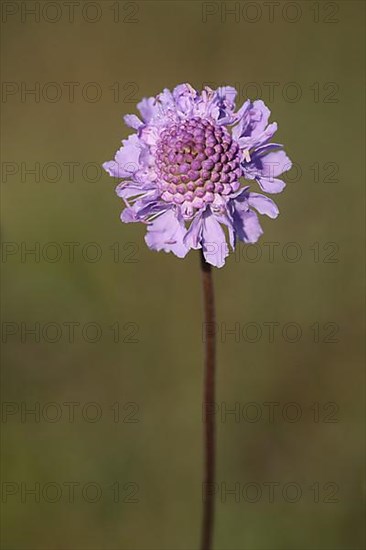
(196, 159)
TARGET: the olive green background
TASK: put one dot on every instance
(157, 380)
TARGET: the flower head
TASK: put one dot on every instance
(182, 170)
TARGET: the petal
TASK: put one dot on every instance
(126, 160)
(267, 148)
(256, 139)
(205, 105)
(184, 96)
(242, 118)
(271, 185)
(227, 95)
(167, 233)
(133, 121)
(182, 90)
(149, 135)
(148, 208)
(263, 204)
(159, 111)
(224, 217)
(165, 101)
(112, 168)
(128, 189)
(193, 236)
(252, 227)
(275, 164)
(147, 108)
(215, 248)
(247, 226)
(265, 169)
(259, 115)
(225, 101)
(253, 119)
(129, 215)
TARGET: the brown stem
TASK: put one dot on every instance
(208, 407)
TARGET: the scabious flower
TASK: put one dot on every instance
(182, 170)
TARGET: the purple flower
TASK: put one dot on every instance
(182, 170)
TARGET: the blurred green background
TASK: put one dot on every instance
(156, 379)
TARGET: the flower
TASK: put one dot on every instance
(182, 167)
